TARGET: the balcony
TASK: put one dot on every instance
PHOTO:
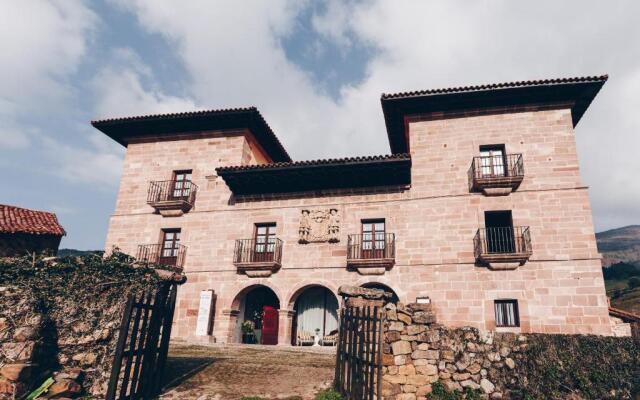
(496, 175)
(172, 198)
(258, 259)
(156, 254)
(369, 255)
(502, 248)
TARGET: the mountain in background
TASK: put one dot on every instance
(74, 252)
(620, 245)
(620, 249)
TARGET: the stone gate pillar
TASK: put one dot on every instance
(228, 325)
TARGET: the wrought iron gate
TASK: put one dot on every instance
(359, 354)
(143, 344)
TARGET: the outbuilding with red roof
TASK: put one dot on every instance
(23, 230)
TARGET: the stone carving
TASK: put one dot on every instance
(319, 226)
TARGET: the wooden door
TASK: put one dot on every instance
(170, 245)
(265, 243)
(269, 325)
(373, 239)
(181, 185)
(492, 162)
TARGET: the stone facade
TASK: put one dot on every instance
(560, 289)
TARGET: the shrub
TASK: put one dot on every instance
(329, 394)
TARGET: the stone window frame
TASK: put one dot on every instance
(516, 311)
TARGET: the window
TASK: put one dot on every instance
(499, 232)
(373, 238)
(265, 242)
(181, 184)
(492, 160)
(170, 244)
(507, 313)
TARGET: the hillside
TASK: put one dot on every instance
(620, 245)
(620, 250)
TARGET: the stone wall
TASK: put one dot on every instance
(60, 318)
(423, 359)
(418, 353)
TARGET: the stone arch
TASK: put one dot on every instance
(380, 284)
(314, 310)
(245, 301)
(304, 285)
(242, 292)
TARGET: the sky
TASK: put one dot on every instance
(315, 70)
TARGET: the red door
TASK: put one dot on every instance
(269, 325)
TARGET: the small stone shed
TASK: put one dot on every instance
(23, 230)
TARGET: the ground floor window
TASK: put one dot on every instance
(507, 313)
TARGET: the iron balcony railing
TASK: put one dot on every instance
(157, 254)
(507, 169)
(250, 251)
(503, 241)
(171, 191)
(372, 246)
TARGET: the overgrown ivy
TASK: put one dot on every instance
(593, 367)
(77, 278)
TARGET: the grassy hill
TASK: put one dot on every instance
(620, 249)
(74, 252)
(620, 245)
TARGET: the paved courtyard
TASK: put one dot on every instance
(236, 371)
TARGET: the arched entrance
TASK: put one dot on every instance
(315, 319)
(382, 286)
(258, 316)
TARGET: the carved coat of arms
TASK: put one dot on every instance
(319, 226)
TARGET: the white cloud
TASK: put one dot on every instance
(41, 44)
(233, 53)
(98, 163)
(125, 86)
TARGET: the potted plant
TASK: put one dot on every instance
(247, 332)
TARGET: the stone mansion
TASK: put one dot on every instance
(478, 209)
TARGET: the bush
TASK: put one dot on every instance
(329, 394)
(634, 282)
(593, 367)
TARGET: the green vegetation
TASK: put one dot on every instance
(622, 281)
(329, 394)
(440, 392)
(592, 367)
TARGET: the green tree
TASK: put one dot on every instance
(633, 282)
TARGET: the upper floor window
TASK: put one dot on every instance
(265, 238)
(507, 314)
(373, 238)
(170, 245)
(492, 160)
(181, 183)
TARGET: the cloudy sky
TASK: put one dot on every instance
(315, 70)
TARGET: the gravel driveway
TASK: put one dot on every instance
(236, 371)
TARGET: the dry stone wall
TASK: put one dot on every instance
(426, 360)
(60, 318)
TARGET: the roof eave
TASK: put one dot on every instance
(580, 93)
(122, 130)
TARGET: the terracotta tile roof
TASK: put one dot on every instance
(186, 114)
(493, 86)
(625, 315)
(121, 129)
(22, 220)
(320, 162)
